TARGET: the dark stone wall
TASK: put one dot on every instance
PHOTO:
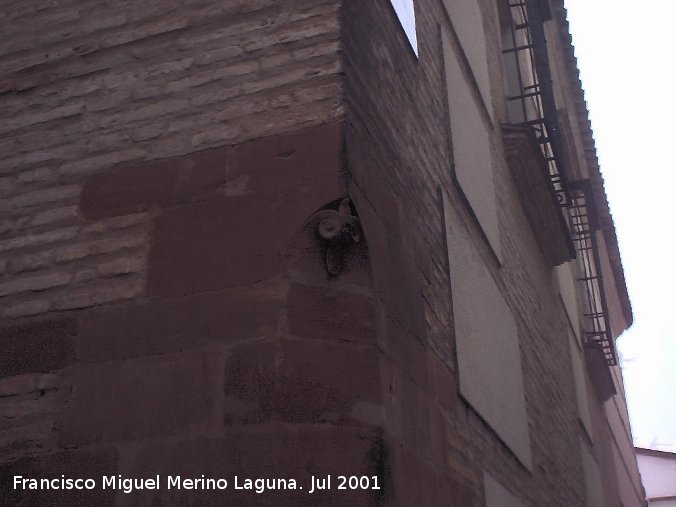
(245, 357)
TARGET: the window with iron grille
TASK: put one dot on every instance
(584, 229)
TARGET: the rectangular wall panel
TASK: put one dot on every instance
(487, 342)
(471, 142)
(497, 495)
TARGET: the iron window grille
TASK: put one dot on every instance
(584, 227)
(530, 97)
(531, 103)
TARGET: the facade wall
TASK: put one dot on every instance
(612, 420)
(143, 139)
(166, 307)
(94, 86)
(399, 143)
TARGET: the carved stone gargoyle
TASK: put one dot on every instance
(339, 229)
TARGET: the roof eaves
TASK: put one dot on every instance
(605, 216)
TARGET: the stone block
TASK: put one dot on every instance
(229, 242)
(299, 382)
(445, 384)
(37, 347)
(414, 405)
(268, 452)
(161, 182)
(79, 463)
(395, 274)
(456, 493)
(404, 490)
(29, 383)
(175, 324)
(327, 313)
(135, 399)
(408, 354)
(401, 284)
(286, 160)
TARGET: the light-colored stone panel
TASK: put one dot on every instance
(468, 23)
(487, 342)
(497, 495)
(471, 142)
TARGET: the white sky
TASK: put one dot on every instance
(627, 58)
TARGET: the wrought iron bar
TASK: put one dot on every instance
(584, 226)
(538, 108)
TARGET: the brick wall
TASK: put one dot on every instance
(90, 86)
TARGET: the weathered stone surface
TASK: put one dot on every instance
(455, 493)
(37, 347)
(408, 353)
(407, 492)
(401, 288)
(268, 452)
(283, 161)
(445, 384)
(161, 182)
(293, 382)
(330, 313)
(28, 405)
(229, 242)
(135, 399)
(34, 283)
(29, 383)
(177, 324)
(80, 463)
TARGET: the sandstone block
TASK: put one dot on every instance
(179, 324)
(295, 383)
(135, 399)
(161, 182)
(37, 347)
(77, 463)
(228, 242)
(266, 452)
(287, 160)
(333, 314)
